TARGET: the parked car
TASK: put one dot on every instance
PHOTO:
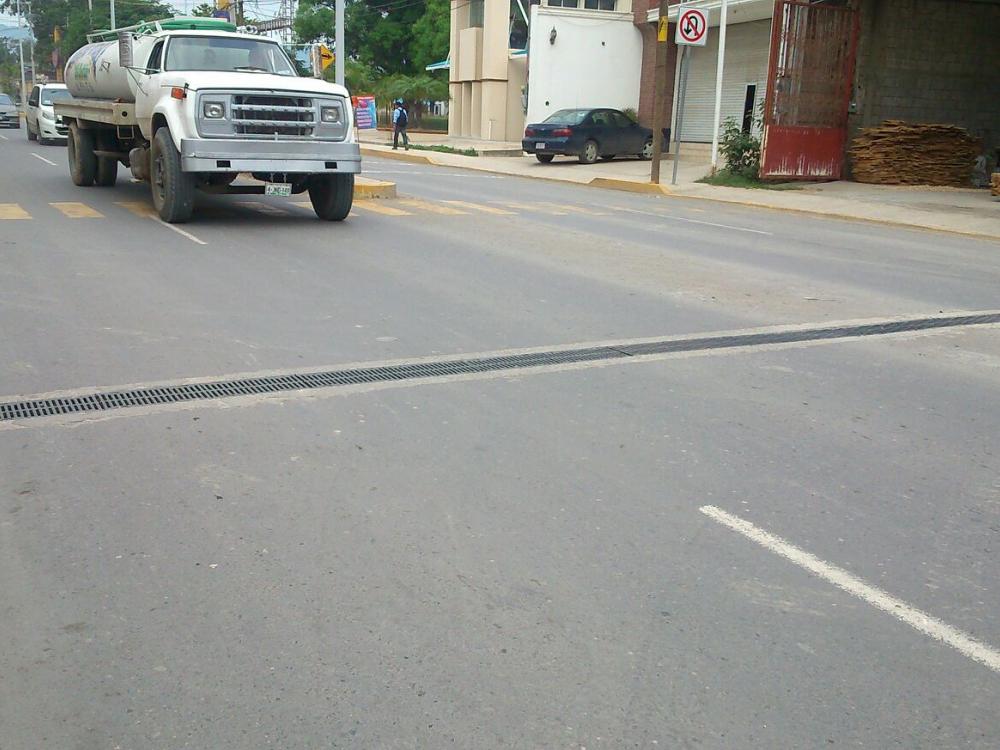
(39, 117)
(9, 117)
(588, 134)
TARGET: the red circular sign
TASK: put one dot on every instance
(692, 25)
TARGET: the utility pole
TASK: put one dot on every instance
(31, 46)
(659, 100)
(20, 56)
(719, 67)
(114, 24)
(339, 39)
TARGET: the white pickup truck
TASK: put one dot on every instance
(189, 104)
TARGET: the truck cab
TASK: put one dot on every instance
(191, 104)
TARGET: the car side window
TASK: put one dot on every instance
(33, 98)
(601, 119)
(621, 120)
(155, 57)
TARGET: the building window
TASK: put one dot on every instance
(476, 13)
(564, 3)
(599, 4)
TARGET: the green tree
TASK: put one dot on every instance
(204, 10)
(431, 34)
(415, 90)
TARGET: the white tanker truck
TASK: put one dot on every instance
(189, 104)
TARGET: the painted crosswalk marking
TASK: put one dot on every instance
(264, 208)
(537, 208)
(139, 208)
(13, 211)
(379, 207)
(77, 210)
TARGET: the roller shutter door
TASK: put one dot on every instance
(747, 47)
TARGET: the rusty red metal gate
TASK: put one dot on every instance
(809, 87)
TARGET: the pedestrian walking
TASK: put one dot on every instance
(399, 121)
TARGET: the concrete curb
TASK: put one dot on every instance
(398, 156)
(629, 186)
(365, 187)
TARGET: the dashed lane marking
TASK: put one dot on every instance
(480, 207)
(667, 217)
(379, 207)
(42, 158)
(12, 211)
(77, 210)
(145, 211)
(921, 621)
(434, 208)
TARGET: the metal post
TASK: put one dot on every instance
(680, 110)
(659, 80)
(339, 41)
(114, 23)
(31, 46)
(719, 67)
(20, 56)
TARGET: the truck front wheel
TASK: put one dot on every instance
(82, 159)
(332, 196)
(173, 189)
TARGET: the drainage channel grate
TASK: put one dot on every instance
(112, 400)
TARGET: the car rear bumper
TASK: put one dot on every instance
(554, 146)
(9, 120)
(293, 157)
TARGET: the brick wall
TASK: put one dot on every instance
(930, 61)
(646, 94)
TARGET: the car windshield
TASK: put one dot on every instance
(567, 117)
(54, 95)
(4, 99)
(215, 53)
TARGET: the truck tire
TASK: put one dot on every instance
(82, 159)
(173, 189)
(332, 196)
(107, 168)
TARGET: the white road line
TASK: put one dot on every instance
(925, 623)
(3, 137)
(667, 217)
(44, 159)
(177, 229)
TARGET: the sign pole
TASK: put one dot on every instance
(680, 111)
(720, 66)
(659, 100)
(338, 50)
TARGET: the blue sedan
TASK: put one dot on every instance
(588, 134)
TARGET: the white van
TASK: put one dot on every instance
(40, 119)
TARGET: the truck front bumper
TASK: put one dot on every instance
(292, 157)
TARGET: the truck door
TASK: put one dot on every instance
(148, 92)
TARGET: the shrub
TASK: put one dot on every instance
(741, 150)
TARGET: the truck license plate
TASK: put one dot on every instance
(284, 189)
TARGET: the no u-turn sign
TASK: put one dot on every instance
(692, 27)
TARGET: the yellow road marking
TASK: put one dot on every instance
(379, 207)
(264, 208)
(480, 207)
(434, 208)
(13, 211)
(573, 209)
(537, 208)
(139, 208)
(77, 210)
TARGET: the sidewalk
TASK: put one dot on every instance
(972, 212)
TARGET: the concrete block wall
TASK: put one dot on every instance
(930, 61)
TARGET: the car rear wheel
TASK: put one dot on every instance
(589, 153)
(545, 158)
(647, 150)
(31, 134)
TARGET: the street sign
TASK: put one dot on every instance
(325, 56)
(661, 30)
(692, 27)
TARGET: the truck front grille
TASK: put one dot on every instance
(273, 115)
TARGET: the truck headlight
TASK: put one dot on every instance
(214, 110)
(330, 115)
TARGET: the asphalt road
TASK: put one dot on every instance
(529, 559)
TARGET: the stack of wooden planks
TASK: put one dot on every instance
(901, 153)
(995, 185)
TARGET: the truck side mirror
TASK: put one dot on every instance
(125, 49)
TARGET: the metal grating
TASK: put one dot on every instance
(122, 399)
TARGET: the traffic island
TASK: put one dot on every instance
(365, 187)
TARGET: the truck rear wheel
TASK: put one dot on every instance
(107, 168)
(173, 189)
(332, 196)
(82, 159)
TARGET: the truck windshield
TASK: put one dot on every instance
(54, 95)
(220, 53)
